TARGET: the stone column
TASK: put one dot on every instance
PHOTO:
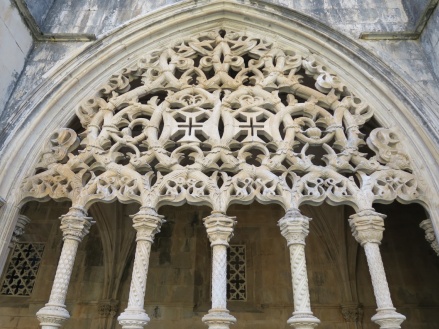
(147, 223)
(367, 228)
(219, 229)
(295, 228)
(74, 225)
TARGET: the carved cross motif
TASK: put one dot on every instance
(189, 127)
(252, 129)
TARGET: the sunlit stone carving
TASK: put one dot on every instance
(226, 117)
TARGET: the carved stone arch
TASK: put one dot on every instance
(224, 117)
(88, 69)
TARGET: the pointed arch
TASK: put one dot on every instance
(51, 105)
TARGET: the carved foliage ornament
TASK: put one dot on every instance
(224, 117)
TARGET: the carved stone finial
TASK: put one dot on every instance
(75, 224)
(147, 223)
(427, 226)
(367, 226)
(294, 227)
(219, 228)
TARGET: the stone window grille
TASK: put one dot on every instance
(236, 273)
(23, 267)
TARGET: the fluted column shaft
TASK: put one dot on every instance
(75, 225)
(220, 230)
(147, 223)
(367, 228)
(295, 228)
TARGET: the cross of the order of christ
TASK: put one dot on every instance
(252, 127)
(189, 127)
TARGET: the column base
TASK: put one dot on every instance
(133, 319)
(52, 316)
(303, 321)
(387, 318)
(219, 319)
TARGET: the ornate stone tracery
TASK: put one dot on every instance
(221, 118)
(226, 117)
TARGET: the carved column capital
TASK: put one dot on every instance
(75, 225)
(294, 227)
(427, 226)
(352, 313)
(219, 228)
(147, 224)
(367, 226)
(108, 308)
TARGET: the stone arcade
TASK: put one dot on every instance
(221, 119)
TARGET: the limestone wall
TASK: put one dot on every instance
(430, 41)
(39, 9)
(15, 44)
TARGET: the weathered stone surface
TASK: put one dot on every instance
(341, 176)
(15, 44)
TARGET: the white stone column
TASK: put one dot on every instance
(147, 223)
(295, 228)
(367, 228)
(74, 225)
(219, 229)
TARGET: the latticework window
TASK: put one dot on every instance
(22, 271)
(236, 273)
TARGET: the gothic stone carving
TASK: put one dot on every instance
(22, 221)
(427, 226)
(225, 117)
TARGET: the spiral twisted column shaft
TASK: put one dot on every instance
(367, 228)
(219, 228)
(295, 228)
(147, 223)
(75, 225)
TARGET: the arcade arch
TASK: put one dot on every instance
(224, 117)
